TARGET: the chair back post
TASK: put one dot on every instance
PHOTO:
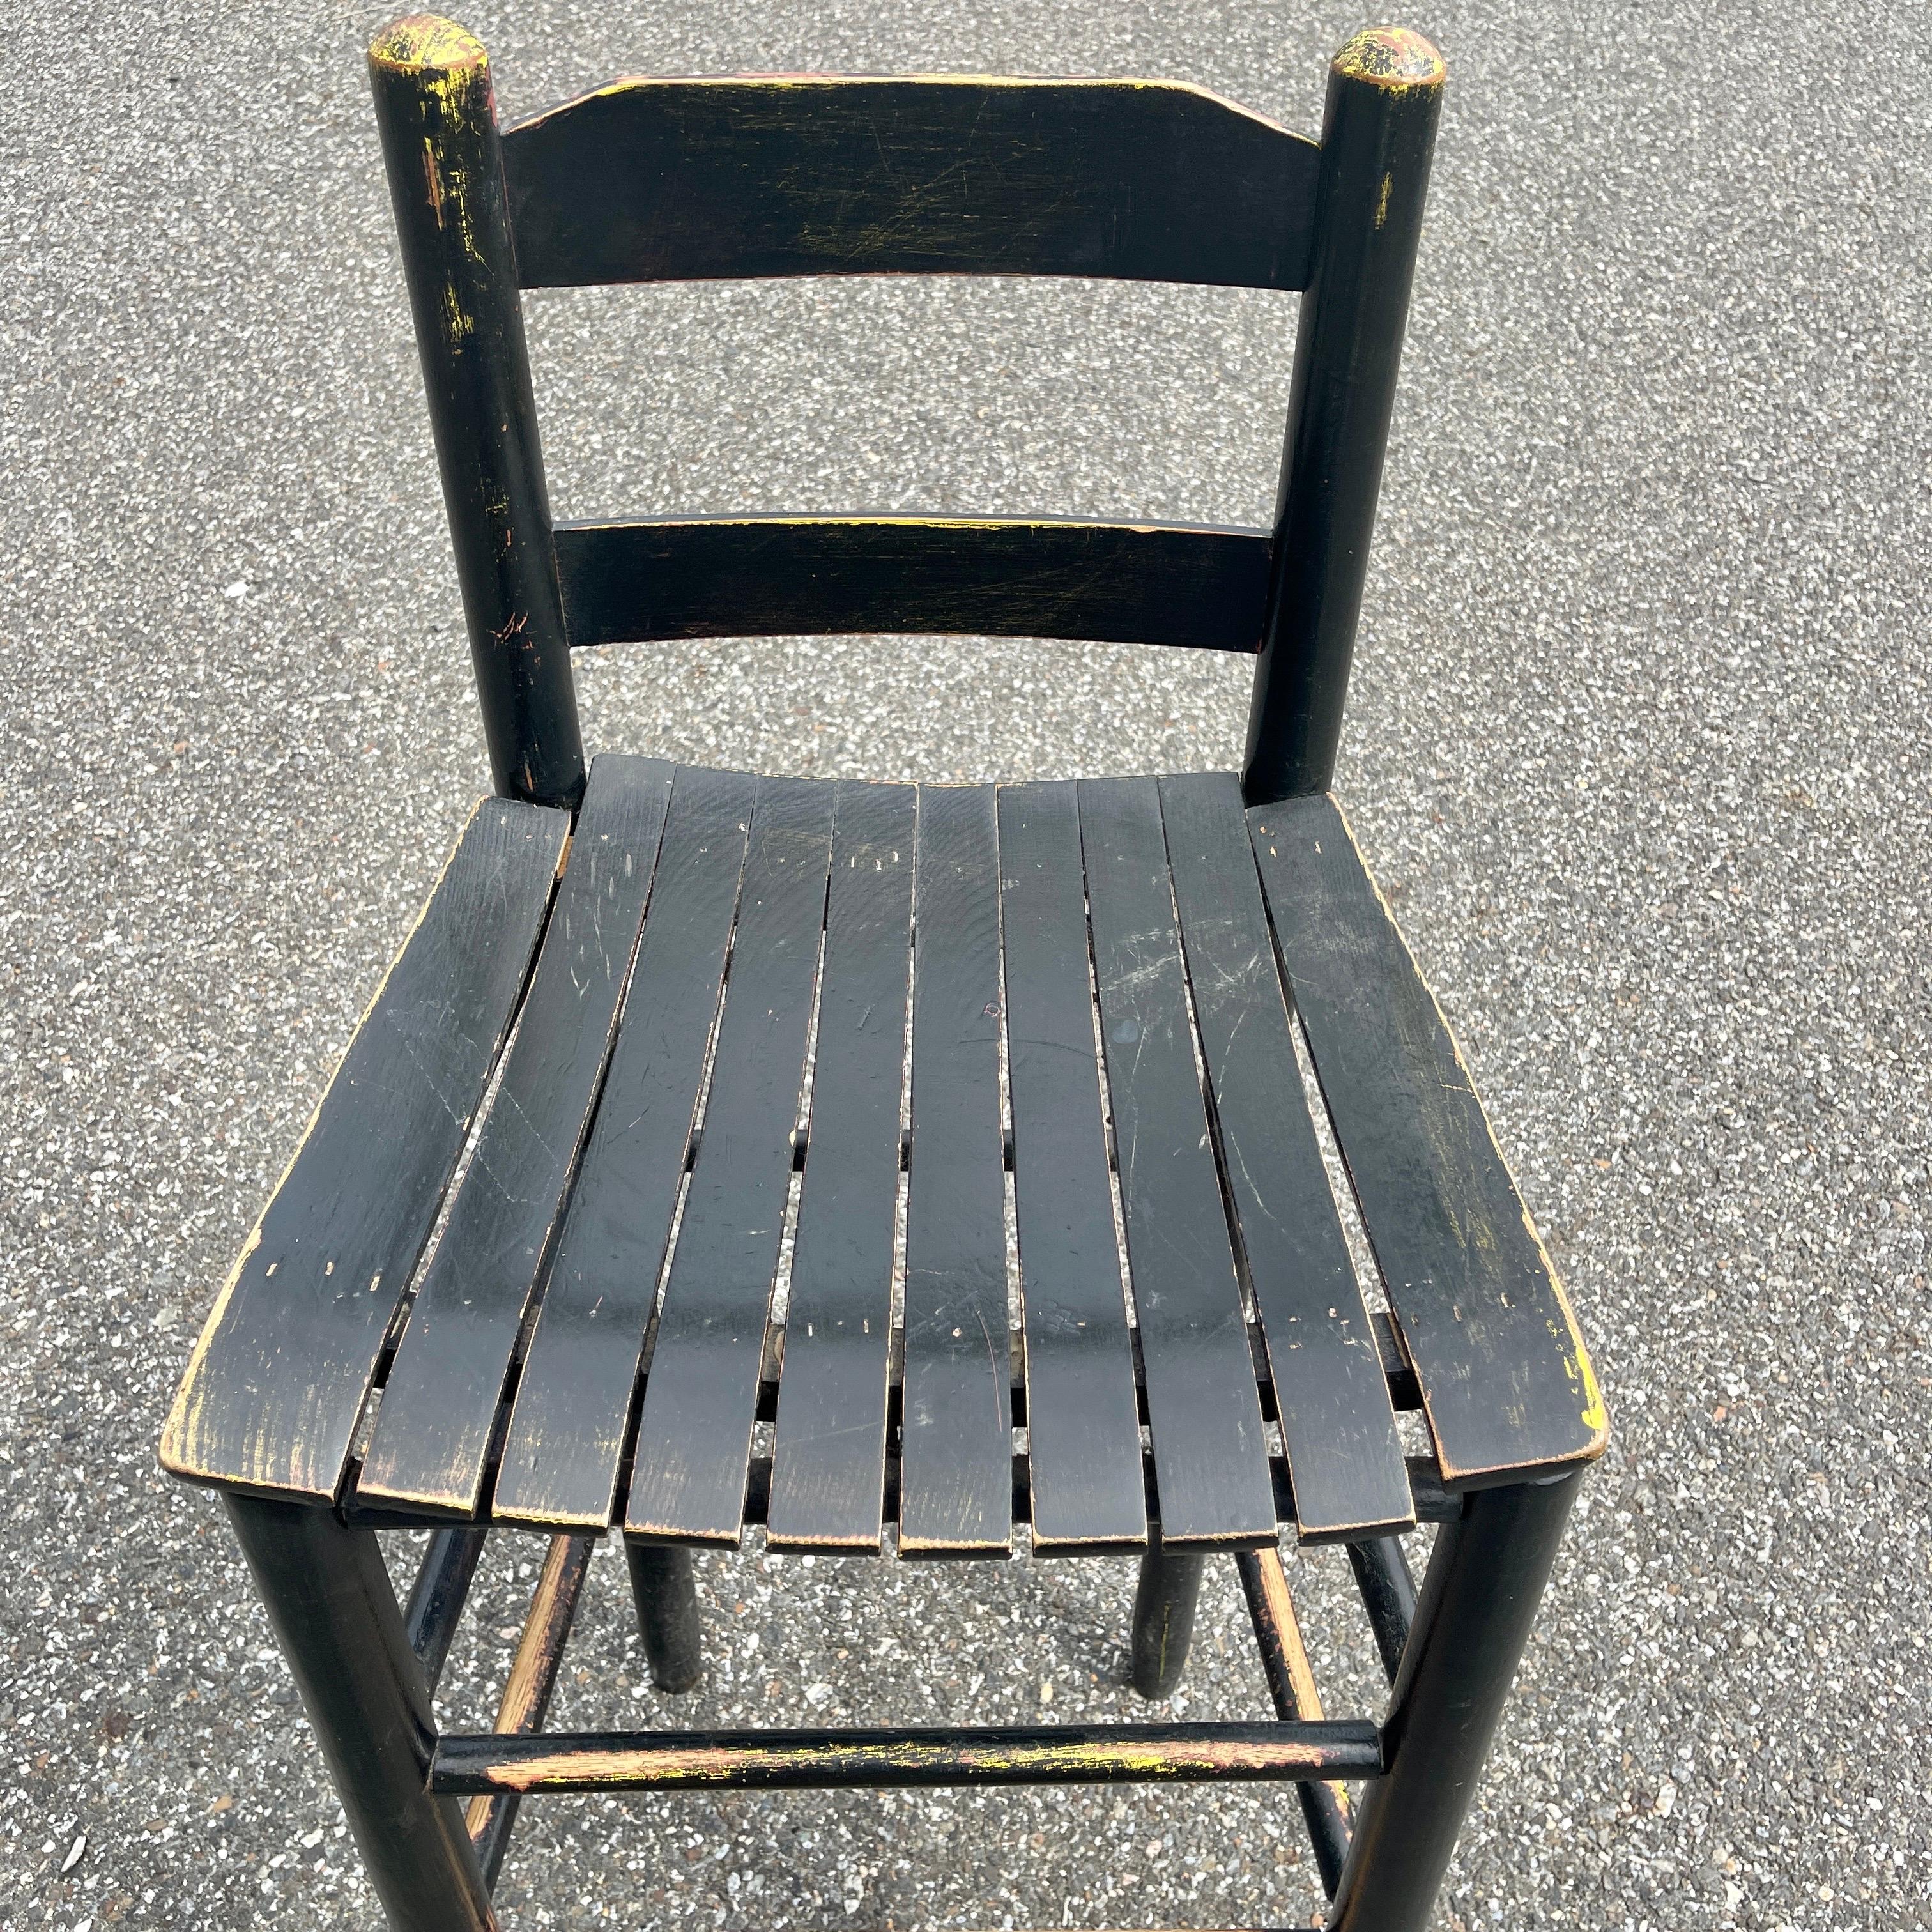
(1378, 131)
(437, 111)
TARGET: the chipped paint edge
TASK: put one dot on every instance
(631, 84)
(1395, 57)
(1577, 1365)
(180, 1451)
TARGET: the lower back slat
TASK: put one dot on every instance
(638, 580)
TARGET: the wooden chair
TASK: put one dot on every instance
(580, 1090)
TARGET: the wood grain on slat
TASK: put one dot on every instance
(1506, 1382)
(573, 1408)
(1210, 1459)
(275, 1387)
(826, 174)
(635, 580)
(955, 1480)
(433, 1433)
(693, 1439)
(829, 1459)
(1082, 1418)
(1338, 1427)
(527, 1691)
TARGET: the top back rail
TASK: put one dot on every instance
(935, 174)
(648, 180)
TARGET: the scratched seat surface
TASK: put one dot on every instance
(891, 1166)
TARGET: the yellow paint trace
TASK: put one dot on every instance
(427, 40)
(1576, 1356)
(781, 83)
(184, 1450)
(1391, 57)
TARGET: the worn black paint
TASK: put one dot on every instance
(334, 1615)
(1377, 138)
(1505, 1382)
(785, 178)
(1321, 1810)
(433, 1435)
(819, 174)
(829, 1456)
(1387, 1593)
(532, 1680)
(665, 1592)
(1083, 1421)
(437, 110)
(1166, 1598)
(693, 1439)
(956, 1481)
(567, 1431)
(1332, 1396)
(436, 1598)
(563, 1448)
(271, 1400)
(1485, 1581)
(1210, 1459)
(644, 578)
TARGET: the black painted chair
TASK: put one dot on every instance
(1097, 986)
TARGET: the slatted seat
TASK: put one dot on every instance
(888, 1168)
(602, 1297)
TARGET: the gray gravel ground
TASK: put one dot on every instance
(1639, 744)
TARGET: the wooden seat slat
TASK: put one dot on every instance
(1083, 1419)
(433, 1433)
(274, 1389)
(1211, 1457)
(955, 1476)
(567, 1431)
(1338, 1427)
(693, 1439)
(1506, 1382)
(829, 1456)
(988, 890)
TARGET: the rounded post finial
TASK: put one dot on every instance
(1390, 57)
(427, 43)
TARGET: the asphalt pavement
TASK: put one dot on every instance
(1639, 746)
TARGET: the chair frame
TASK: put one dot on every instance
(366, 1666)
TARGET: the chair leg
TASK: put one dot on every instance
(329, 1599)
(666, 1595)
(1479, 1600)
(1388, 1595)
(1164, 1605)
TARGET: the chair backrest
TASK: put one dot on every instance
(669, 180)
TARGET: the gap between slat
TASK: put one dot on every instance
(364, 1433)
(700, 1106)
(533, 1298)
(1019, 1384)
(1273, 1439)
